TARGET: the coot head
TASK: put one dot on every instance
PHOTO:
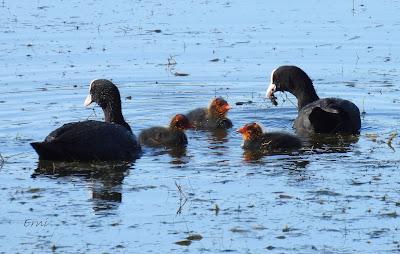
(180, 122)
(106, 95)
(219, 107)
(103, 92)
(293, 80)
(251, 131)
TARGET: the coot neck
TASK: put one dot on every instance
(113, 114)
(305, 96)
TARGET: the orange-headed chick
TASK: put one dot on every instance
(213, 117)
(256, 140)
(171, 136)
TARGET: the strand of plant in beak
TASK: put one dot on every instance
(287, 98)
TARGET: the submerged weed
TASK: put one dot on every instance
(2, 161)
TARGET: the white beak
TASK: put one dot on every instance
(271, 90)
(88, 100)
(272, 87)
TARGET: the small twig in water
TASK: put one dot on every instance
(390, 139)
(358, 58)
(216, 209)
(182, 198)
(363, 108)
(171, 61)
(2, 161)
(170, 66)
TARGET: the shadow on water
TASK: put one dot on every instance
(103, 178)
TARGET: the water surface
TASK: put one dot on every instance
(337, 198)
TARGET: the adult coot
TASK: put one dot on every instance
(211, 118)
(172, 136)
(256, 141)
(330, 115)
(111, 140)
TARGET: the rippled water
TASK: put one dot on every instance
(341, 197)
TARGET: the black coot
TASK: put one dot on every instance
(256, 141)
(330, 115)
(211, 118)
(172, 136)
(111, 140)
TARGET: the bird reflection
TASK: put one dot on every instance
(256, 156)
(104, 179)
(330, 143)
(218, 136)
(178, 154)
(316, 143)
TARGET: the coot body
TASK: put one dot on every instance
(111, 140)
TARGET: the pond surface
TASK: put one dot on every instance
(341, 197)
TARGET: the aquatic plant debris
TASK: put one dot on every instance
(2, 161)
(184, 242)
(392, 136)
(195, 237)
(181, 74)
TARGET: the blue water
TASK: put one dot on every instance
(338, 198)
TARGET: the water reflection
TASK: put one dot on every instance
(217, 136)
(178, 154)
(316, 143)
(328, 143)
(103, 179)
(217, 140)
(257, 156)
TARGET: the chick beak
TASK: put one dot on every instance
(241, 130)
(226, 108)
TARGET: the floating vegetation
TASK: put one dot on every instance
(184, 242)
(189, 239)
(244, 103)
(181, 74)
(182, 198)
(195, 237)
(392, 136)
(215, 209)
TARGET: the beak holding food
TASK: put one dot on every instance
(271, 90)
